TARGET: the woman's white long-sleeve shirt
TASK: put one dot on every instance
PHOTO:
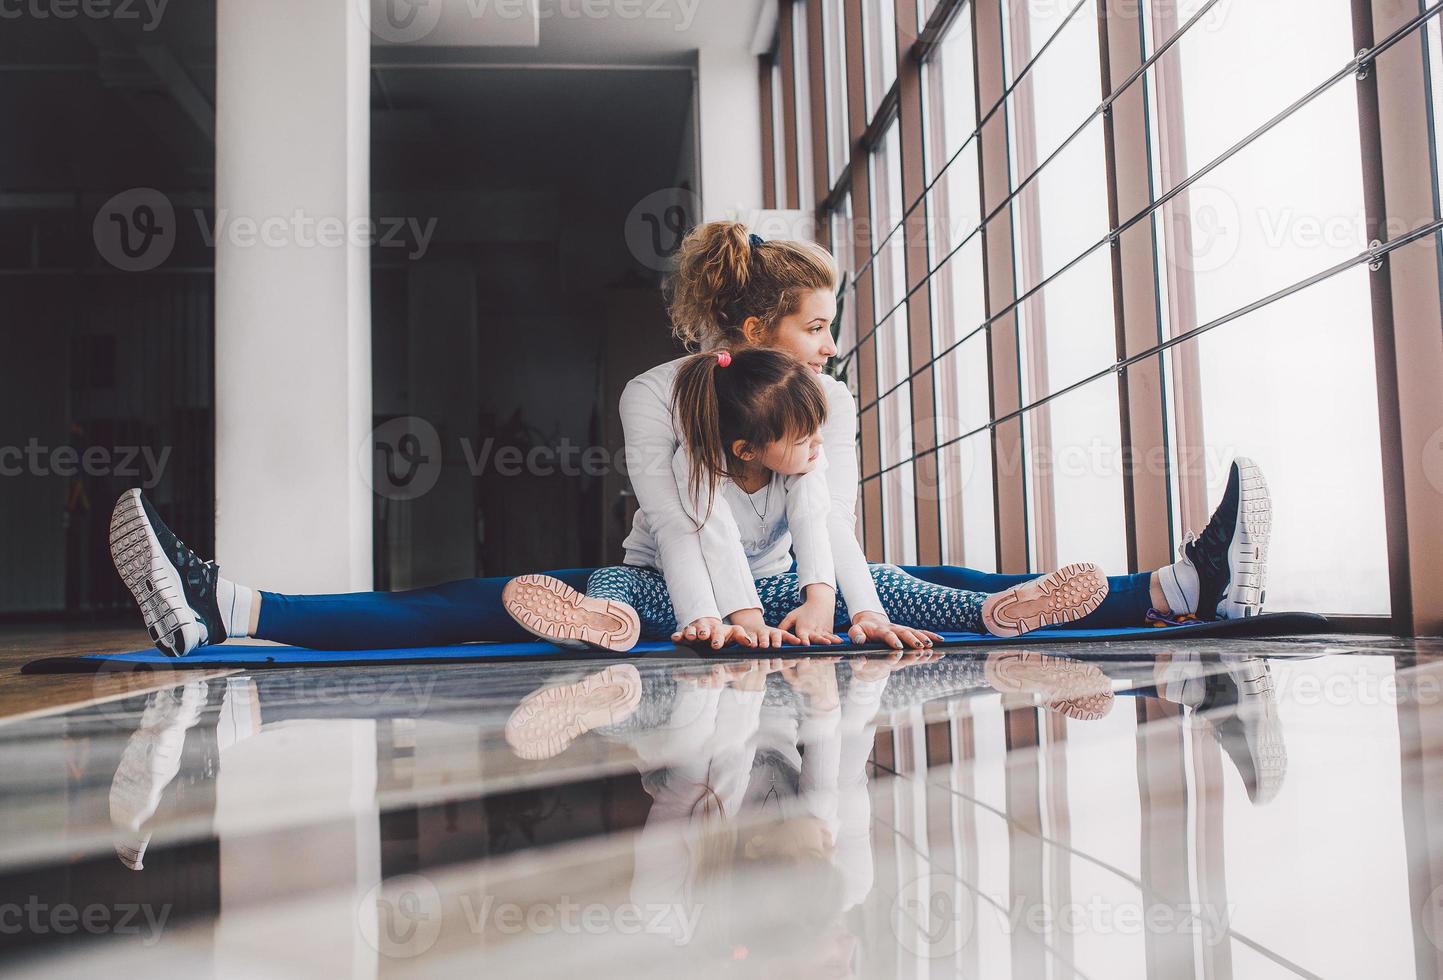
(708, 570)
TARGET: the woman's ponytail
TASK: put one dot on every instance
(723, 277)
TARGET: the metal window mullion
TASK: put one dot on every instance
(769, 132)
(787, 59)
(1146, 489)
(817, 92)
(1008, 481)
(866, 360)
(927, 510)
(1407, 319)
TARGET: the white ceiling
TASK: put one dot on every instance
(567, 31)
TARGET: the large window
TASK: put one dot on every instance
(1279, 211)
(1133, 273)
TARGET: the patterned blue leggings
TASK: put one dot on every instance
(908, 601)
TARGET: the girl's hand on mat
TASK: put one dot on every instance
(871, 627)
(713, 631)
(765, 637)
(812, 623)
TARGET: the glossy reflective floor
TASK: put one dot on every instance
(1242, 809)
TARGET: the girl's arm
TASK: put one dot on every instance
(839, 442)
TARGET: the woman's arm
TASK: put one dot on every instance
(808, 507)
(839, 442)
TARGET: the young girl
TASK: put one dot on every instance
(751, 428)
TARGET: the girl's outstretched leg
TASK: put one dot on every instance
(618, 603)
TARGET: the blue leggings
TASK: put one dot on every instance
(470, 609)
(908, 601)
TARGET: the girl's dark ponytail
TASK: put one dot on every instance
(698, 413)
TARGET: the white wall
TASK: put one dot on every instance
(731, 146)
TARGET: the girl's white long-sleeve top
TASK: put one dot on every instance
(708, 569)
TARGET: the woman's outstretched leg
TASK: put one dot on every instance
(187, 603)
(440, 615)
(1220, 574)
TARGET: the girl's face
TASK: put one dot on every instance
(792, 456)
(807, 333)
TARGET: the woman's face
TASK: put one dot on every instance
(806, 333)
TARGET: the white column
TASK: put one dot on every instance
(293, 343)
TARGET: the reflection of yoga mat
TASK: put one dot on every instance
(239, 655)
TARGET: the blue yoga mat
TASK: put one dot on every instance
(249, 656)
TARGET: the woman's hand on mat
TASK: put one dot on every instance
(871, 627)
(812, 622)
(765, 637)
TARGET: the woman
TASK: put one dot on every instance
(731, 290)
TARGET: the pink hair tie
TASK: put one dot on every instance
(723, 358)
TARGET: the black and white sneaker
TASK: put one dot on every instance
(1223, 573)
(1240, 706)
(173, 587)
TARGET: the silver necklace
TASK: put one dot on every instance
(766, 505)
